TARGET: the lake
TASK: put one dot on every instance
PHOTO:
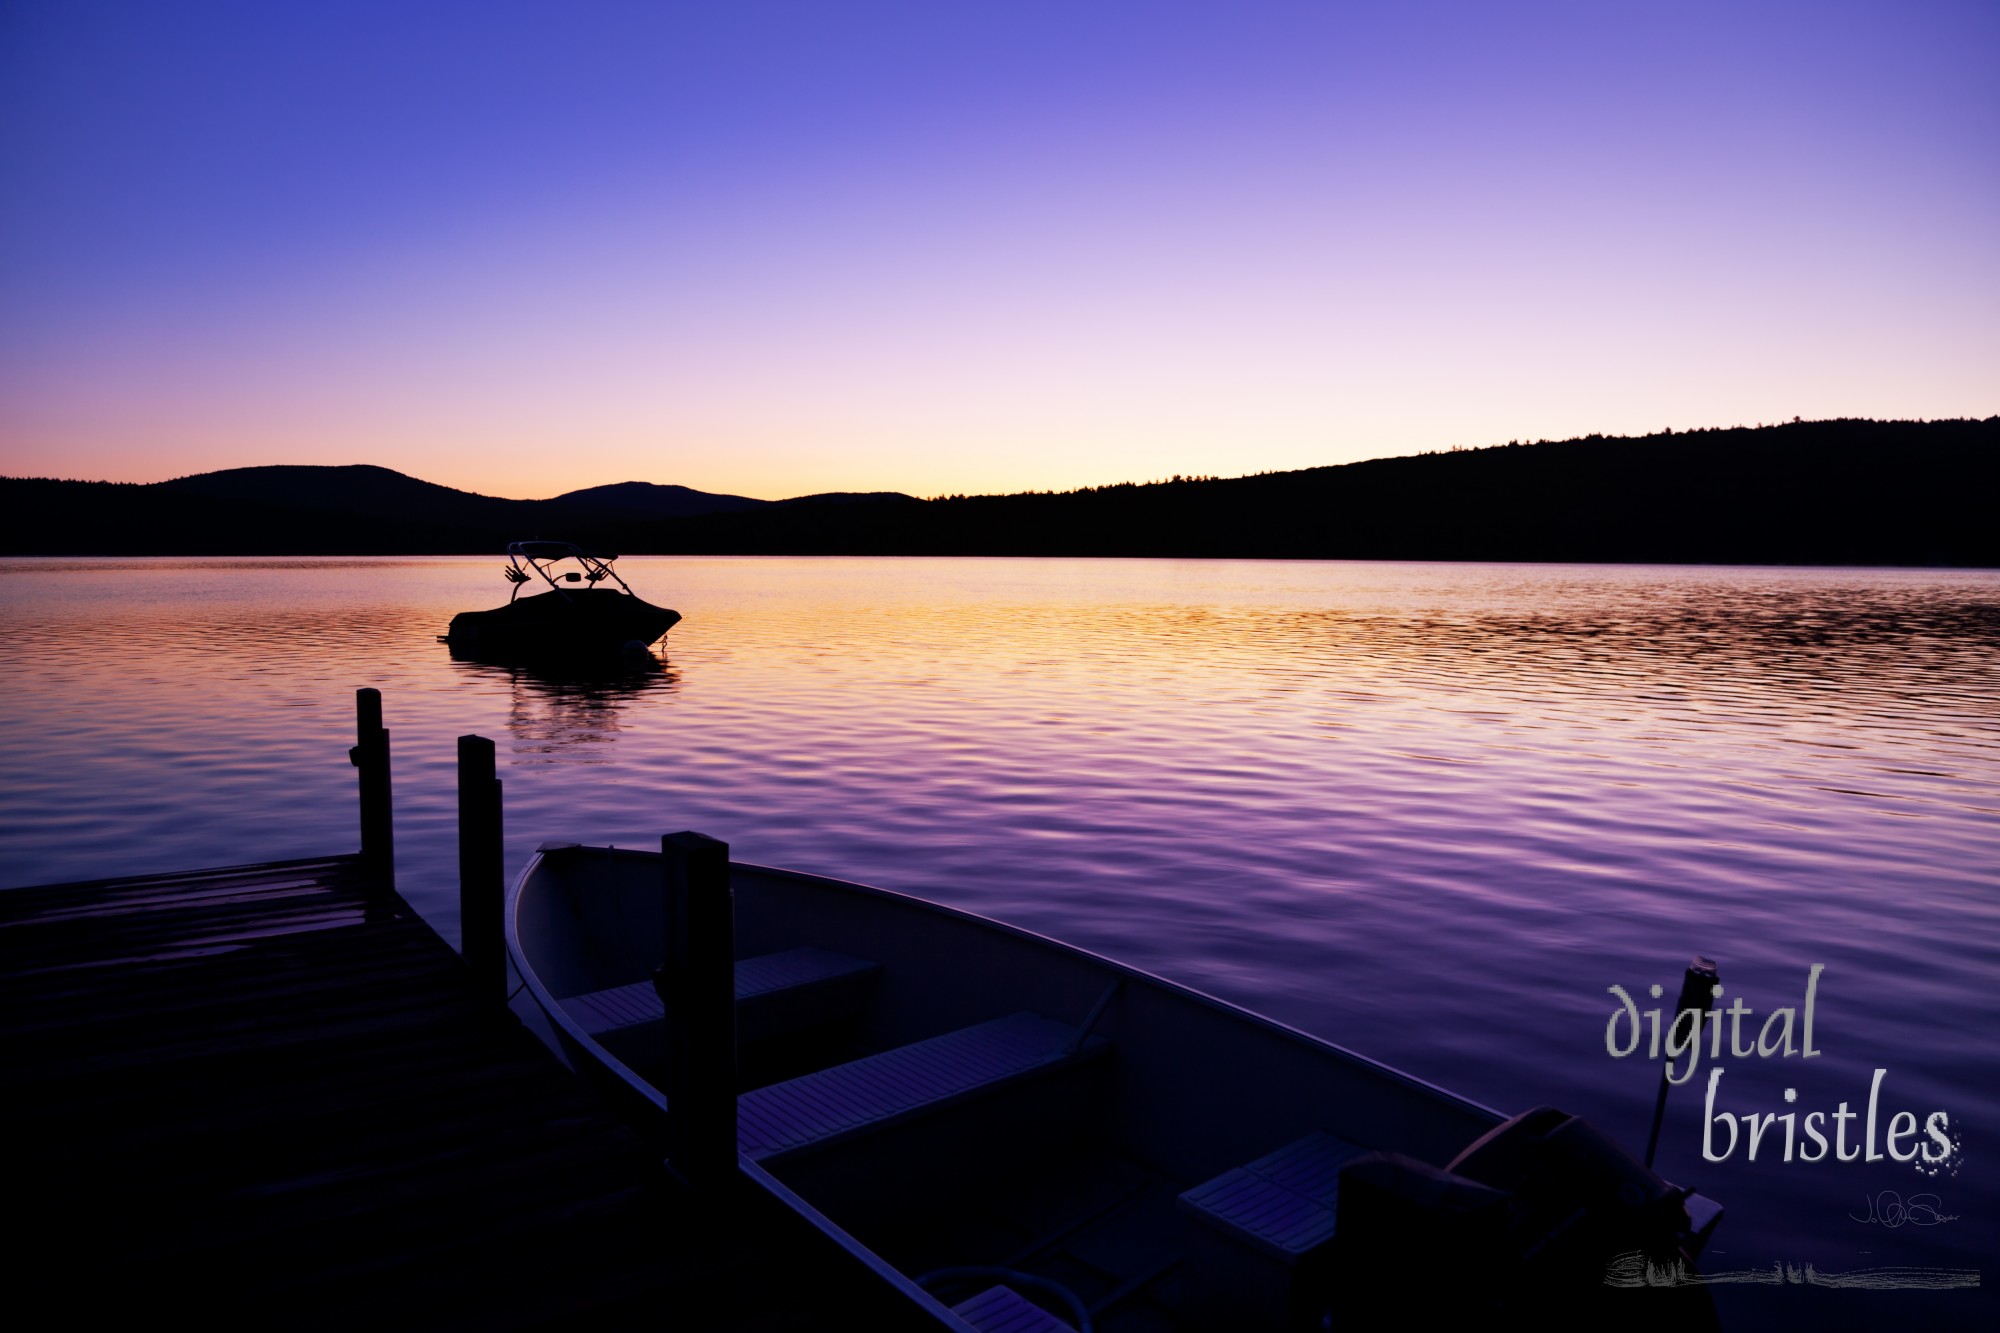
(1431, 812)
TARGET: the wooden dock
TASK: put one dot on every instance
(272, 1096)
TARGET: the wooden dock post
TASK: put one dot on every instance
(371, 755)
(482, 887)
(698, 986)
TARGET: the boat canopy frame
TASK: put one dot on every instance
(526, 560)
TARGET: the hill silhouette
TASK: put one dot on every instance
(379, 493)
(358, 509)
(628, 500)
(1825, 492)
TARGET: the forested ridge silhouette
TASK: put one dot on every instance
(1852, 492)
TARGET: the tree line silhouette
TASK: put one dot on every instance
(1824, 492)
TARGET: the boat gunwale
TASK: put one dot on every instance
(574, 1031)
(879, 1267)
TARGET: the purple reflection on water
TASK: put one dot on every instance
(1429, 811)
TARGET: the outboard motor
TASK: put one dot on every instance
(1528, 1220)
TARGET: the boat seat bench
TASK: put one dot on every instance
(774, 993)
(1283, 1204)
(1261, 1235)
(829, 1105)
(1001, 1309)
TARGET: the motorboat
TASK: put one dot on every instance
(1020, 1134)
(584, 609)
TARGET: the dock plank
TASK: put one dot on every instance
(265, 1095)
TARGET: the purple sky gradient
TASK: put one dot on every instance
(780, 248)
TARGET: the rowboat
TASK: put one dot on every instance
(1020, 1134)
(585, 609)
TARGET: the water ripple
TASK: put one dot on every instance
(1430, 811)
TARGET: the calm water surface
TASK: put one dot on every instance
(1431, 812)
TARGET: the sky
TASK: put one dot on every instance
(949, 246)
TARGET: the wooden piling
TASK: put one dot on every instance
(698, 986)
(371, 756)
(266, 1095)
(482, 886)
